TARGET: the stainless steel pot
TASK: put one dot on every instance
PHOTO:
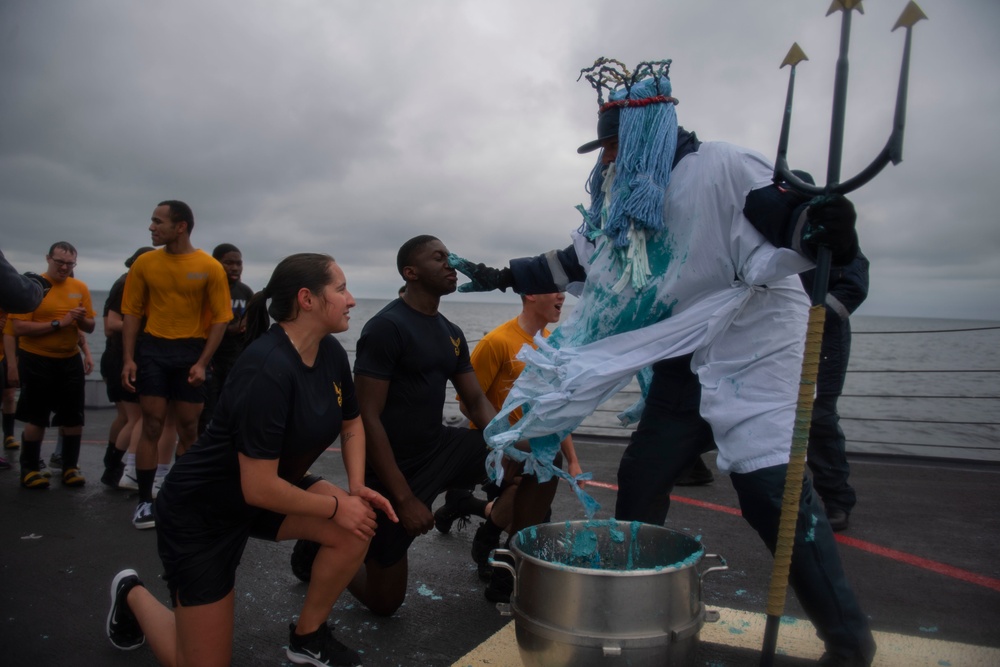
(605, 593)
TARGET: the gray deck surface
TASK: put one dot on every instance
(921, 553)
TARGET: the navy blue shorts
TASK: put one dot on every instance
(457, 460)
(200, 555)
(50, 386)
(163, 367)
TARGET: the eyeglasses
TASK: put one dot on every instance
(65, 265)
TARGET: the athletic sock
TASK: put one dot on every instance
(130, 459)
(8, 424)
(162, 469)
(113, 456)
(71, 451)
(31, 454)
(491, 528)
(145, 479)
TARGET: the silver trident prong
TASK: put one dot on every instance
(893, 152)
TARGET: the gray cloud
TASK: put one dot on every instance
(349, 127)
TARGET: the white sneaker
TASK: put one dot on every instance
(129, 479)
(143, 517)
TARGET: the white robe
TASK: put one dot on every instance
(718, 289)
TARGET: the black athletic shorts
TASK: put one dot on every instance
(50, 386)
(164, 365)
(111, 371)
(457, 460)
(200, 555)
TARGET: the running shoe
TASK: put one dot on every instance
(697, 474)
(451, 511)
(143, 517)
(319, 648)
(829, 659)
(42, 470)
(10, 443)
(123, 627)
(73, 477)
(55, 461)
(129, 479)
(32, 479)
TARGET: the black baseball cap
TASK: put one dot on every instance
(607, 128)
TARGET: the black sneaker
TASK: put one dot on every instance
(839, 519)
(829, 659)
(143, 518)
(448, 513)
(123, 627)
(303, 554)
(319, 648)
(697, 474)
(486, 539)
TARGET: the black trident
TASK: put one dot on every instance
(893, 152)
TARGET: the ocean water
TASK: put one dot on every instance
(915, 386)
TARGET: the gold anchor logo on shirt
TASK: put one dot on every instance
(457, 342)
(340, 395)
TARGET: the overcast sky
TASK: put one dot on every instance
(348, 127)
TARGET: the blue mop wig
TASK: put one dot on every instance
(647, 141)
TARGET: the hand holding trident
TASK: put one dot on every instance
(893, 152)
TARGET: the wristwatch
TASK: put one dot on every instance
(55, 324)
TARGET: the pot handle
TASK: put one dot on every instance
(503, 564)
(718, 568)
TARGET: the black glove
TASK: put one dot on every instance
(830, 222)
(41, 280)
(484, 278)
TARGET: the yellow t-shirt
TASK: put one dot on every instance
(495, 363)
(180, 295)
(63, 342)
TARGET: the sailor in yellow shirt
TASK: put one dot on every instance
(183, 293)
(50, 368)
(495, 363)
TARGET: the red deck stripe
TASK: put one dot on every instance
(917, 561)
(885, 552)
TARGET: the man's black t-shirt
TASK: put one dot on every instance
(273, 406)
(232, 343)
(113, 345)
(417, 354)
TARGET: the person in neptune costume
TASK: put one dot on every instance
(686, 262)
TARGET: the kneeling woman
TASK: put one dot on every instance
(287, 399)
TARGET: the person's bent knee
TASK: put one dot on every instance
(385, 606)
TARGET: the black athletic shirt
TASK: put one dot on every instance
(113, 345)
(417, 354)
(273, 406)
(232, 343)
